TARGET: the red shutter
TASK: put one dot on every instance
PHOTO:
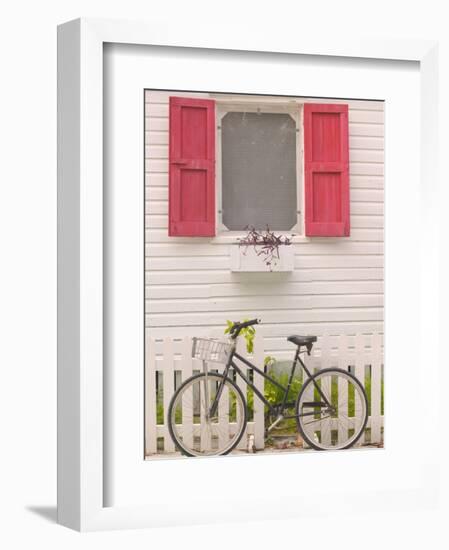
(192, 167)
(326, 166)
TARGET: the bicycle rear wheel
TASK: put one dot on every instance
(192, 429)
(340, 425)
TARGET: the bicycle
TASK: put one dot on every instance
(331, 409)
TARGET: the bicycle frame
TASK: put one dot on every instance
(277, 408)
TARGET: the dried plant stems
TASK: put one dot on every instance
(265, 243)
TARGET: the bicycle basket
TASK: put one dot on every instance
(208, 349)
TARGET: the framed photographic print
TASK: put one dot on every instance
(252, 212)
(224, 310)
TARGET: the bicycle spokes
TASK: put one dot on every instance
(197, 428)
(332, 410)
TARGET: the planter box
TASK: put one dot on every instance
(245, 259)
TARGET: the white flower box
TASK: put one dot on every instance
(245, 259)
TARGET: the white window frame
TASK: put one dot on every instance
(256, 104)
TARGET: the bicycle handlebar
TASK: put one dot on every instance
(237, 327)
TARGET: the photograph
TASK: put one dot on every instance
(264, 285)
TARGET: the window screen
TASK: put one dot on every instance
(258, 170)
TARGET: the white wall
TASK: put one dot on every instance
(337, 283)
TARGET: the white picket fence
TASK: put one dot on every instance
(168, 362)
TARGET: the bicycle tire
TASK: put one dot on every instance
(171, 416)
(312, 442)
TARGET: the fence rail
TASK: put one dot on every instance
(168, 363)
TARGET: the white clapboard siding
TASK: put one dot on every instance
(156, 138)
(201, 277)
(365, 116)
(284, 288)
(362, 169)
(159, 180)
(366, 130)
(169, 358)
(301, 262)
(363, 142)
(301, 249)
(370, 181)
(270, 303)
(290, 316)
(367, 222)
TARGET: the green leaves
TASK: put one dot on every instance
(228, 327)
(248, 333)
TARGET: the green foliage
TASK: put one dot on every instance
(160, 413)
(229, 325)
(382, 398)
(269, 361)
(274, 394)
(368, 394)
(248, 333)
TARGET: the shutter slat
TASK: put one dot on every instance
(192, 167)
(326, 163)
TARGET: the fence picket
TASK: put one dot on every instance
(241, 349)
(168, 381)
(360, 375)
(186, 372)
(223, 417)
(259, 408)
(325, 425)
(343, 385)
(311, 362)
(205, 442)
(376, 374)
(150, 396)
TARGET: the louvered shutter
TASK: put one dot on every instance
(326, 166)
(192, 167)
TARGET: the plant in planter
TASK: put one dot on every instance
(265, 244)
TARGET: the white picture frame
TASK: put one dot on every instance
(82, 477)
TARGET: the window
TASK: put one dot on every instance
(258, 169)
(255, 172)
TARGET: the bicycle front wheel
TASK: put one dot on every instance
(193, 429)
(332, 410)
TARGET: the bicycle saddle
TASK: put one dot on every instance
(302, 340)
